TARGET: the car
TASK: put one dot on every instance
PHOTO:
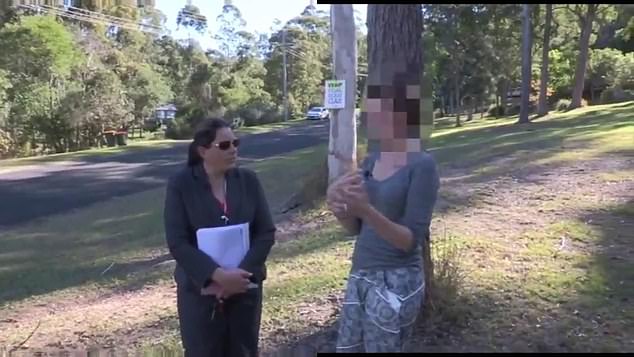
(317, 113)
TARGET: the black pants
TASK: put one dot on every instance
(234, 332)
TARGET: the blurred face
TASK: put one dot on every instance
(222, 153)
(392, 118)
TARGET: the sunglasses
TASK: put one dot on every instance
(225, 145)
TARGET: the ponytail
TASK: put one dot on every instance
(193, 157)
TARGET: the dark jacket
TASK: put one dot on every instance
(190, 205)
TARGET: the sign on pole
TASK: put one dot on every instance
(335, 96)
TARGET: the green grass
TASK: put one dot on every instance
(133, 145)
(288, 173)
(10, 164)
(270, 127)
(559, 138)
(544, 297)
(302, 270)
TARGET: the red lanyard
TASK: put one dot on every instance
(223, 204)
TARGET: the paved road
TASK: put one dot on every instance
(39, 191)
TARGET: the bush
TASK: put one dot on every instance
(562, 105)
(7, 145)
(447, 280)
(494, 110)
(186, 121)
(513, 110)
(151, 125)
(257, 113)
(616, 95)
(179, 129)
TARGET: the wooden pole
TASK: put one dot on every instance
(342, 146)
(285, 75)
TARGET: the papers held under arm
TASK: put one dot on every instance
(226, 245)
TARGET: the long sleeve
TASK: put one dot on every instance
(421, 198)
(196, 264)
(262, 230)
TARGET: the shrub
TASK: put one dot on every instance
(186, 121)
(179, 129)
(562, 105)
(447, 279)
(257, 113)
(7, 145)
(615, 95)
(513, 110)
(494, 110)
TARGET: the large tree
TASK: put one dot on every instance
(543, 87)
(394, 49)
(306, 44)
(39, 55)
(527, 45)
(585, 20)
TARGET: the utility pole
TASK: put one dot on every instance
(527, 45)
(284, 74)
(342, 146)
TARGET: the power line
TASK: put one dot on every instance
(94, 17)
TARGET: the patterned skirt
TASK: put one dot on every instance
(379, 309)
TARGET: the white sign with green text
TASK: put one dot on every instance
(335, 96)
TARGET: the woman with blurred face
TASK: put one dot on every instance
(388, 204)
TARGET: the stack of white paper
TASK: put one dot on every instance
(226, 245)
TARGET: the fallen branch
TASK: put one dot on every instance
(107, 269)
(39, 322)
(562, 244)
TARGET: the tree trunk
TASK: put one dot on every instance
(470, 109)
(526, 62)
(543, 87)
(482, 109)
(504, 91)
(582, 60)
(442, 106)
(342, 148)
(458, 104)
(451, 105)
(395, 47)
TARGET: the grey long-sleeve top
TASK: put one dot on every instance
(407, 198)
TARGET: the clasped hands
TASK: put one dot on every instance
(227, 282)
(347, 196)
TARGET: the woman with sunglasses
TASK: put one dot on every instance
(219, 309)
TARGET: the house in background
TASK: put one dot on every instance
(165, 113)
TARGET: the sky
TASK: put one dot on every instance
(258, 14)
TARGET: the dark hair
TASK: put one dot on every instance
(205, 134)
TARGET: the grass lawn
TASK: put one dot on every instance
(541, 214)
(135, 144)
(270, 127)
(10, 164)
